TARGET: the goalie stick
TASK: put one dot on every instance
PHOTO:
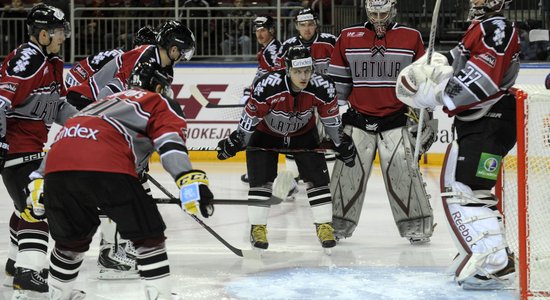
(240, 252)
(431, 48)
(196, 93)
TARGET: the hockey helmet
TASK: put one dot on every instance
(489, 6)
(147, 75)
(145, 36)
(174, 33)
(264, 21)
(306, 14)
(45, 17)
(298, 57)
(381, 14)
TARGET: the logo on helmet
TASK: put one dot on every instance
(302, 62)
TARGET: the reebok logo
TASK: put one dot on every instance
(457, 219)
(78, 132)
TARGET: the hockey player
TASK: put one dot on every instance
(471, 82)
(87, 67)
(364, 65)
(31, 90)
(173, 42)
(92, 163)
(280, 114)
(267, 55)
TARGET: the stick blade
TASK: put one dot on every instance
(537, 35)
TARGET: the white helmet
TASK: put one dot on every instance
(489, 6)
(381, 14)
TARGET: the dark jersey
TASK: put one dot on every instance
(119, 133)
(267, 58)
(113, 76)
(31, 88)
(275, 110)
(320, 48)
(87, 67)
(485, 63)
(365, 68)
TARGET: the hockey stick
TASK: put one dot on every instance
(271, 201)
(537, 35)
(196, 93)
(24, 159)
(240, 252)
(431, 49)
(280, 150)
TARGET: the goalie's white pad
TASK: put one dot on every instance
(475, 227)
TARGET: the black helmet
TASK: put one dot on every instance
(45, 17)
(298, 57)
(145, 36)
(174, 33)
(264, 21)
(147, 75)
(306, 14)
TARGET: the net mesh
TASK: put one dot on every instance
(537, 155)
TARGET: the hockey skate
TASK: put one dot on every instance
(113, 263)
(258, 236)
(29, 284)
(129, 249)
(10, 271)
(502, 279)
(325, 235)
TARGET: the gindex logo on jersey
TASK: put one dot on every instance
(78, 131)
(302, 62)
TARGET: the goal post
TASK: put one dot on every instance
(524, 190)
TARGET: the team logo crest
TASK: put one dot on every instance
(375, 50)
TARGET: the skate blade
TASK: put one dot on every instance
(117, 275)
(28, 295)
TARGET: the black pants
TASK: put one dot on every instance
(16, 179)
(483, 143)
(262, 165)
(72, 200)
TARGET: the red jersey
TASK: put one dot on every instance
(275, 110)
(365, 68)
(267, 58)
(320, 49)
(31, 84)
(119, 133)
(485, 63)
(87, 67)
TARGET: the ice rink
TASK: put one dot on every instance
(373, 264)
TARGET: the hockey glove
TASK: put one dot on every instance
(4, 147)
(229, 146)
(195, 194)
(429, 130)
(346, 151)
(35, 212)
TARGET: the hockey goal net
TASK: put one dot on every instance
(524, 188)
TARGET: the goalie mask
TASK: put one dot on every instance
(380, 14)
(480, 8)
(148, 76)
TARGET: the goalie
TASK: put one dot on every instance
(471, 82)
(364, 65)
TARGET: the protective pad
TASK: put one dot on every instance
(348, 185)
(474, 223)
(406, 190)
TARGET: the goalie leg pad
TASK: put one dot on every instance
(348, 185)
(405, 187)
(475, 226)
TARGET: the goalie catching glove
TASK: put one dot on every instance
(35, 212)
(346, 151)
(195, 194)
(229, 146)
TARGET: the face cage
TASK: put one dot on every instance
(381, 24)
(478, 12)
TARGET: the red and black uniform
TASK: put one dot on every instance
(93, 163)
(320, 48)
(365, 67)
(86, 68)
(113, 76)
(267, 58)
(276, 117)
(486, 65)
